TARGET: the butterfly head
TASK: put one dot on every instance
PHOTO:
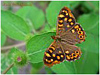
(56, 37)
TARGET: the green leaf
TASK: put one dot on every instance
(31, 14)
(6, 60)
(39, 42)
(37, 65)
(91, 27)
(54, 8)
(74, 4)
(95, 30)
(38, 57)
(37, 45)
(48, 70)
(3, 39)
(47, 28)
(14, 26)
(90, 22)
(91, 5)
(91, 43)
(88, 64)
(64, 68)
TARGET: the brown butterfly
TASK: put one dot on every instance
(68, 34)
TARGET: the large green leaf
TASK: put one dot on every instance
(37, 45)
(54, 8)
(39, 42)
(14, 26)
(48, 70)
(91, 27)
(89, 48)
(87, 64)
(36, 67)
(91, 43)
(31, 14)
(83, 65)
(3, 39)
(64, 68)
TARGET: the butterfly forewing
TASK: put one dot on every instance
(54, 54)
(74, 36)
(65, 20)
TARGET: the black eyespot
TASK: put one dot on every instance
(73, 54)
(76, 51)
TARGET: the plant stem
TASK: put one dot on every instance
(7, 69)
(16, 45)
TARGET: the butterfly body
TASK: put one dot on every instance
(68, 34)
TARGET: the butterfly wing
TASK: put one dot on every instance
(72, 52)
(74, 36)
(65, 20)
(68, 29)
(70, 33)
(54, 54)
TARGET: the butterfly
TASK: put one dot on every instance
(68, 34)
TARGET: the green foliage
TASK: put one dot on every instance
(3, 39)
(92, 21)
(47, 28)
(13, 25)
(64, 68)
(48, 70)
(54, 8)
(30, 18)
(36, 67)
(37, 45)
(92, 6)
(87, 64)
(6, 60)
(93, 43)
(32, 15)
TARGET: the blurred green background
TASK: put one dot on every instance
(28, 25)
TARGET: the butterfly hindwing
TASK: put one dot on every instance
(72, 52)
(65, 21)
(54, 54)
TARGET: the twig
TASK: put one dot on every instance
(16, 45)
(7, 69)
